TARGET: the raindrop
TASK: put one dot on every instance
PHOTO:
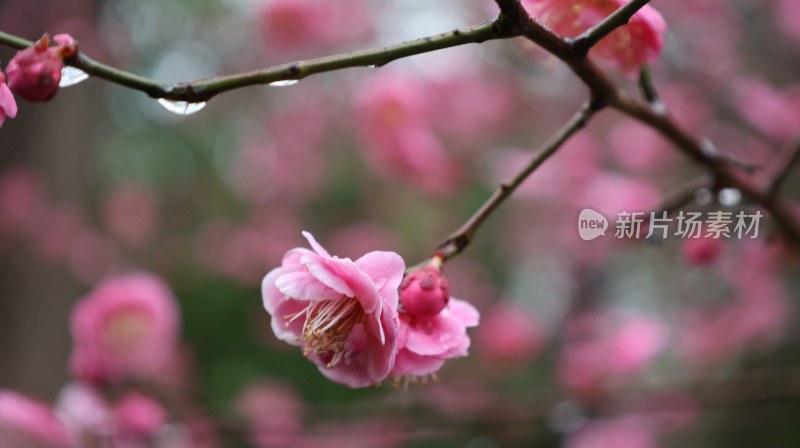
(181, 107)
(703, 196)
(729, 197)
(71, 76)
(372, 66)
(284, 83)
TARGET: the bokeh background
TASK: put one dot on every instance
(637, 343)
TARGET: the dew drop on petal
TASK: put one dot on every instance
(729, 197)
(181, 107)
(284, 83)
(71, 76)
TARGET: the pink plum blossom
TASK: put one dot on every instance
(433, 326)
(628, 47)
(8, 106)
(292, 25)
(604, 348)
(85, 412)
(623, 432)
(139, 416)
(342, 313)
(701, 251)
(510, 334)
(131, 214)
(22, 198)
(126, 327)
(25, 422)
(274, 413)
(398, 139)
(766, 108)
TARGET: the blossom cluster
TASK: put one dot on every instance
(361, 321)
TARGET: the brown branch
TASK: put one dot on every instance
(462, 237)
(786, 166)
(204, 89)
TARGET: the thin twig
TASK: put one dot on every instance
(205, 89)
(789, 163)
(461, 238)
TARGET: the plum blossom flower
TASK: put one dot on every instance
(126, 327)
(342, 313)
(8, 106)
(273, 412)
(26, 422)
(34, 73)
(398, 139)
(627, 47)
(510, 334)
(623, 432)
(139, 416)
(433, 326)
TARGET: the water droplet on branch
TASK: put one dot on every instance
(729, 197)
(181, 107)
(284, 83)
(71, 76)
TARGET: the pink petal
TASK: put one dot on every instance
(7, 102)
(326, 274)
(436, 337)
(289, 333)
(303, 286)
(410, 363)
(463, 311)
(384, 265)
(315, 245)
(270, 295)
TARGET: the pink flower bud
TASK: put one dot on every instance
(34, 73)
(424, 293)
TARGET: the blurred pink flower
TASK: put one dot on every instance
(510, 334)
(92, 255)
(628, 47)
(291, 25)
(34, 73)
(608, 347)
(85, 412)
(787, 17)
(343, 313)
(126, 327)
(8, 106)
(702, 251)
(274, 413)
(398, 141)
(25, 422)
(640, 148)
(131, 214)
(623, 432)
(139, 416)
(471, 108)
(766, 108)
(22, 197)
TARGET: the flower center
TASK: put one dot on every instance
(327, 326)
